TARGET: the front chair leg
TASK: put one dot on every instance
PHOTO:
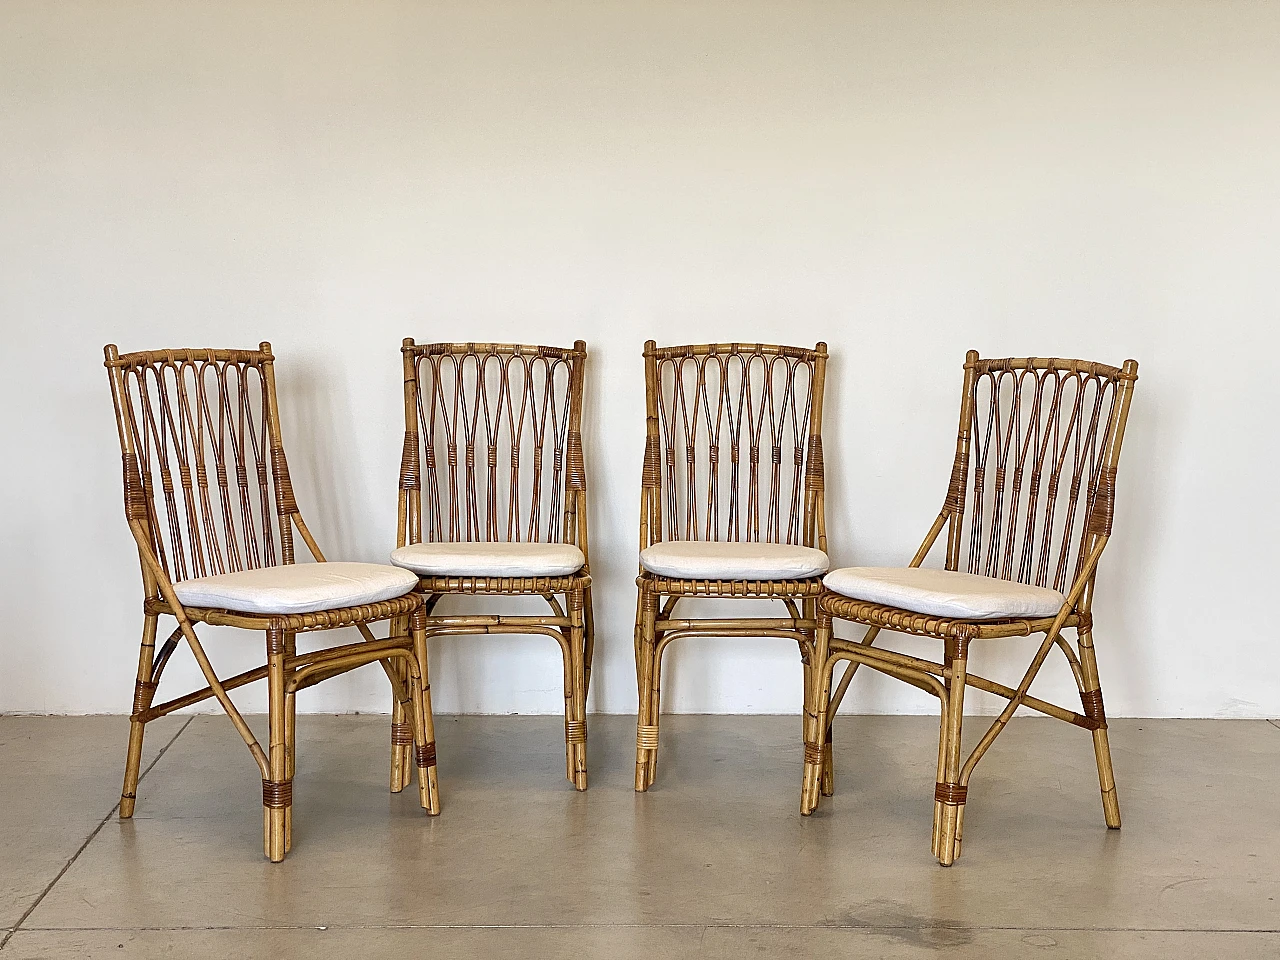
(277, 792)
(1093, 709)
(143, 691)
(575, 721)
(401, 717)
(817, 702)
(424, 729)
(646, 682)
(949, 794)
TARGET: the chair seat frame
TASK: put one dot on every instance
(657, 596)
(947, 680)
(402, 653)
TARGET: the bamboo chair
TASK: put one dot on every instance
(731, 503)
(208, 499)
(493, 501)
(1025, 528)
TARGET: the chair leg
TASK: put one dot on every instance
(424, 729)
(1093, 709)
(949, 794)
(828, 761)
(290, 714)
(575, 720)
(277, 792)
(143, 690)
(817, 700)
(588, 641)
(401, 719)
(646, 721)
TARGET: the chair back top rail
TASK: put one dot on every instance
(205, 473)
(1033, 481)
(733, 448)
(493, 443)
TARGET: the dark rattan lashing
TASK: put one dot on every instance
(207, 491)
(733, 452)
(1031, 499)
(493, 453)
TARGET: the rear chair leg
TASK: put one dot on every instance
(575, 721)
(424, 748)
(143, 691)
(1093, 709)
(277, 792)
(646, 662)
(949, 794)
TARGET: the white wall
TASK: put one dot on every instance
(904, 180)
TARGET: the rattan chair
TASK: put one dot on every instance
(1027, 515)
(208, 499)
(731, 502)
(493, 500)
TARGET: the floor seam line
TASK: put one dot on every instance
(1274, 723)
(643, 926)
(89, 839)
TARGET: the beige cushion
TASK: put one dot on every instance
(945, 593)
(718, 560)
(490, 559)
(297, 587)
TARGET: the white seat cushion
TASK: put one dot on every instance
(479, 559)
(720, 560)
(297, 587)
(945, 593)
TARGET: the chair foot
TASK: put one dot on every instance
(132, 767)
(575, 747)
(428, 786)
(646, 756)
(1106, 779)
(401, 755)
(948, 821)
(828, 768)
(810, 790)
(277, 822)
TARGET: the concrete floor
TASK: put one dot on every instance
(714, 862)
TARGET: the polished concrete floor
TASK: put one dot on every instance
(714, 861)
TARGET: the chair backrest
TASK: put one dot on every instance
(1033, 482)
(733, 446)
(205, 474)
(493, 443)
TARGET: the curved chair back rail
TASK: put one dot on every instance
(733, 446)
